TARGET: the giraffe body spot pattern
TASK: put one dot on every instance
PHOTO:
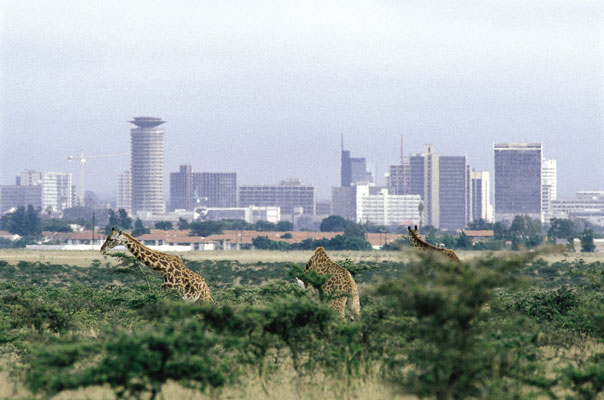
(340, 282)
(190, 285)
(416, 241)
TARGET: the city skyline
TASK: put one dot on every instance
(268, 89)
(114, 193)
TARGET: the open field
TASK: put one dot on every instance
(506, 325)
(85, 258)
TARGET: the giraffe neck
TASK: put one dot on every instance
(417, 241)
(144, 254)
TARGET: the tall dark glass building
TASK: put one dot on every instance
(517, 180)
(453, 192)
(353, 170)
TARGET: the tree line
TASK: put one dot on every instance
(522, 232)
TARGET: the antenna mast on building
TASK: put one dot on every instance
(401, 148)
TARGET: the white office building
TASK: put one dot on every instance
(57, 191)
(379, 207)
(481, 196)
(124, 192)
(549, 184)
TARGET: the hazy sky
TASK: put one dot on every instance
(265, 88)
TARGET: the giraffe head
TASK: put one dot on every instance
(115, 238)
(414, 231)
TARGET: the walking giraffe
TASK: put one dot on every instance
(191, 286)
(417, 241)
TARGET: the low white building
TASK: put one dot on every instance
(250, 214)
(588, 205)
(377, 206)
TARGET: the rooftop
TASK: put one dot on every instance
(147, 122)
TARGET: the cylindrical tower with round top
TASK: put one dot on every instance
(147, 165)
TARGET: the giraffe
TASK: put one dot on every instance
(340, 281)
(191, 285)
(417, 241)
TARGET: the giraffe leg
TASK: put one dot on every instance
(339, 304)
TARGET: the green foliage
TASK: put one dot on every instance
(265, 226)
(545, 305)
(182, 224)
(463, 242)
(448, 354)
(16, 244)
(480, 330)
(124, 220)
(55, 225)
(119, 221)
(588, 380)
(353, 230)
(480, 225)
(525, 231)
(163, 225)
(139, 228)
(284, 226)
(339, 242)
(431, 238)
(396, 245)
(448, 240)
(587, 241)
(206, 228)
(264, 243)
(139, 362)
(22, 221)
(333, 223)
(561, 229)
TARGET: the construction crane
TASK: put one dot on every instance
(82, 159)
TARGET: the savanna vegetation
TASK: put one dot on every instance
(507, 326)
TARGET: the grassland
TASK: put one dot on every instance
(503, 325)
(85, 258)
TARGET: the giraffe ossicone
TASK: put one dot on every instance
(340, 282)
(191, 285)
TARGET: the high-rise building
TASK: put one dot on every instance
(124, 191)
(517, 180)
(549, 184)
(13, 196)
(181, 189)
(453, 192)
(189, 189)
(323, 208)
(57, 191)
(588, 205)
(424, 180)
(214, 189)
(344, 202)
(29, 178)
(398, 175)
(480, 193)
(147, 165)
(287, 195)
(377, 206)
(397, 179)
(354, 170)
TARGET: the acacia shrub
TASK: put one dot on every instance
(447, 352)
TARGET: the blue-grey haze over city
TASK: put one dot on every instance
(267, 88)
